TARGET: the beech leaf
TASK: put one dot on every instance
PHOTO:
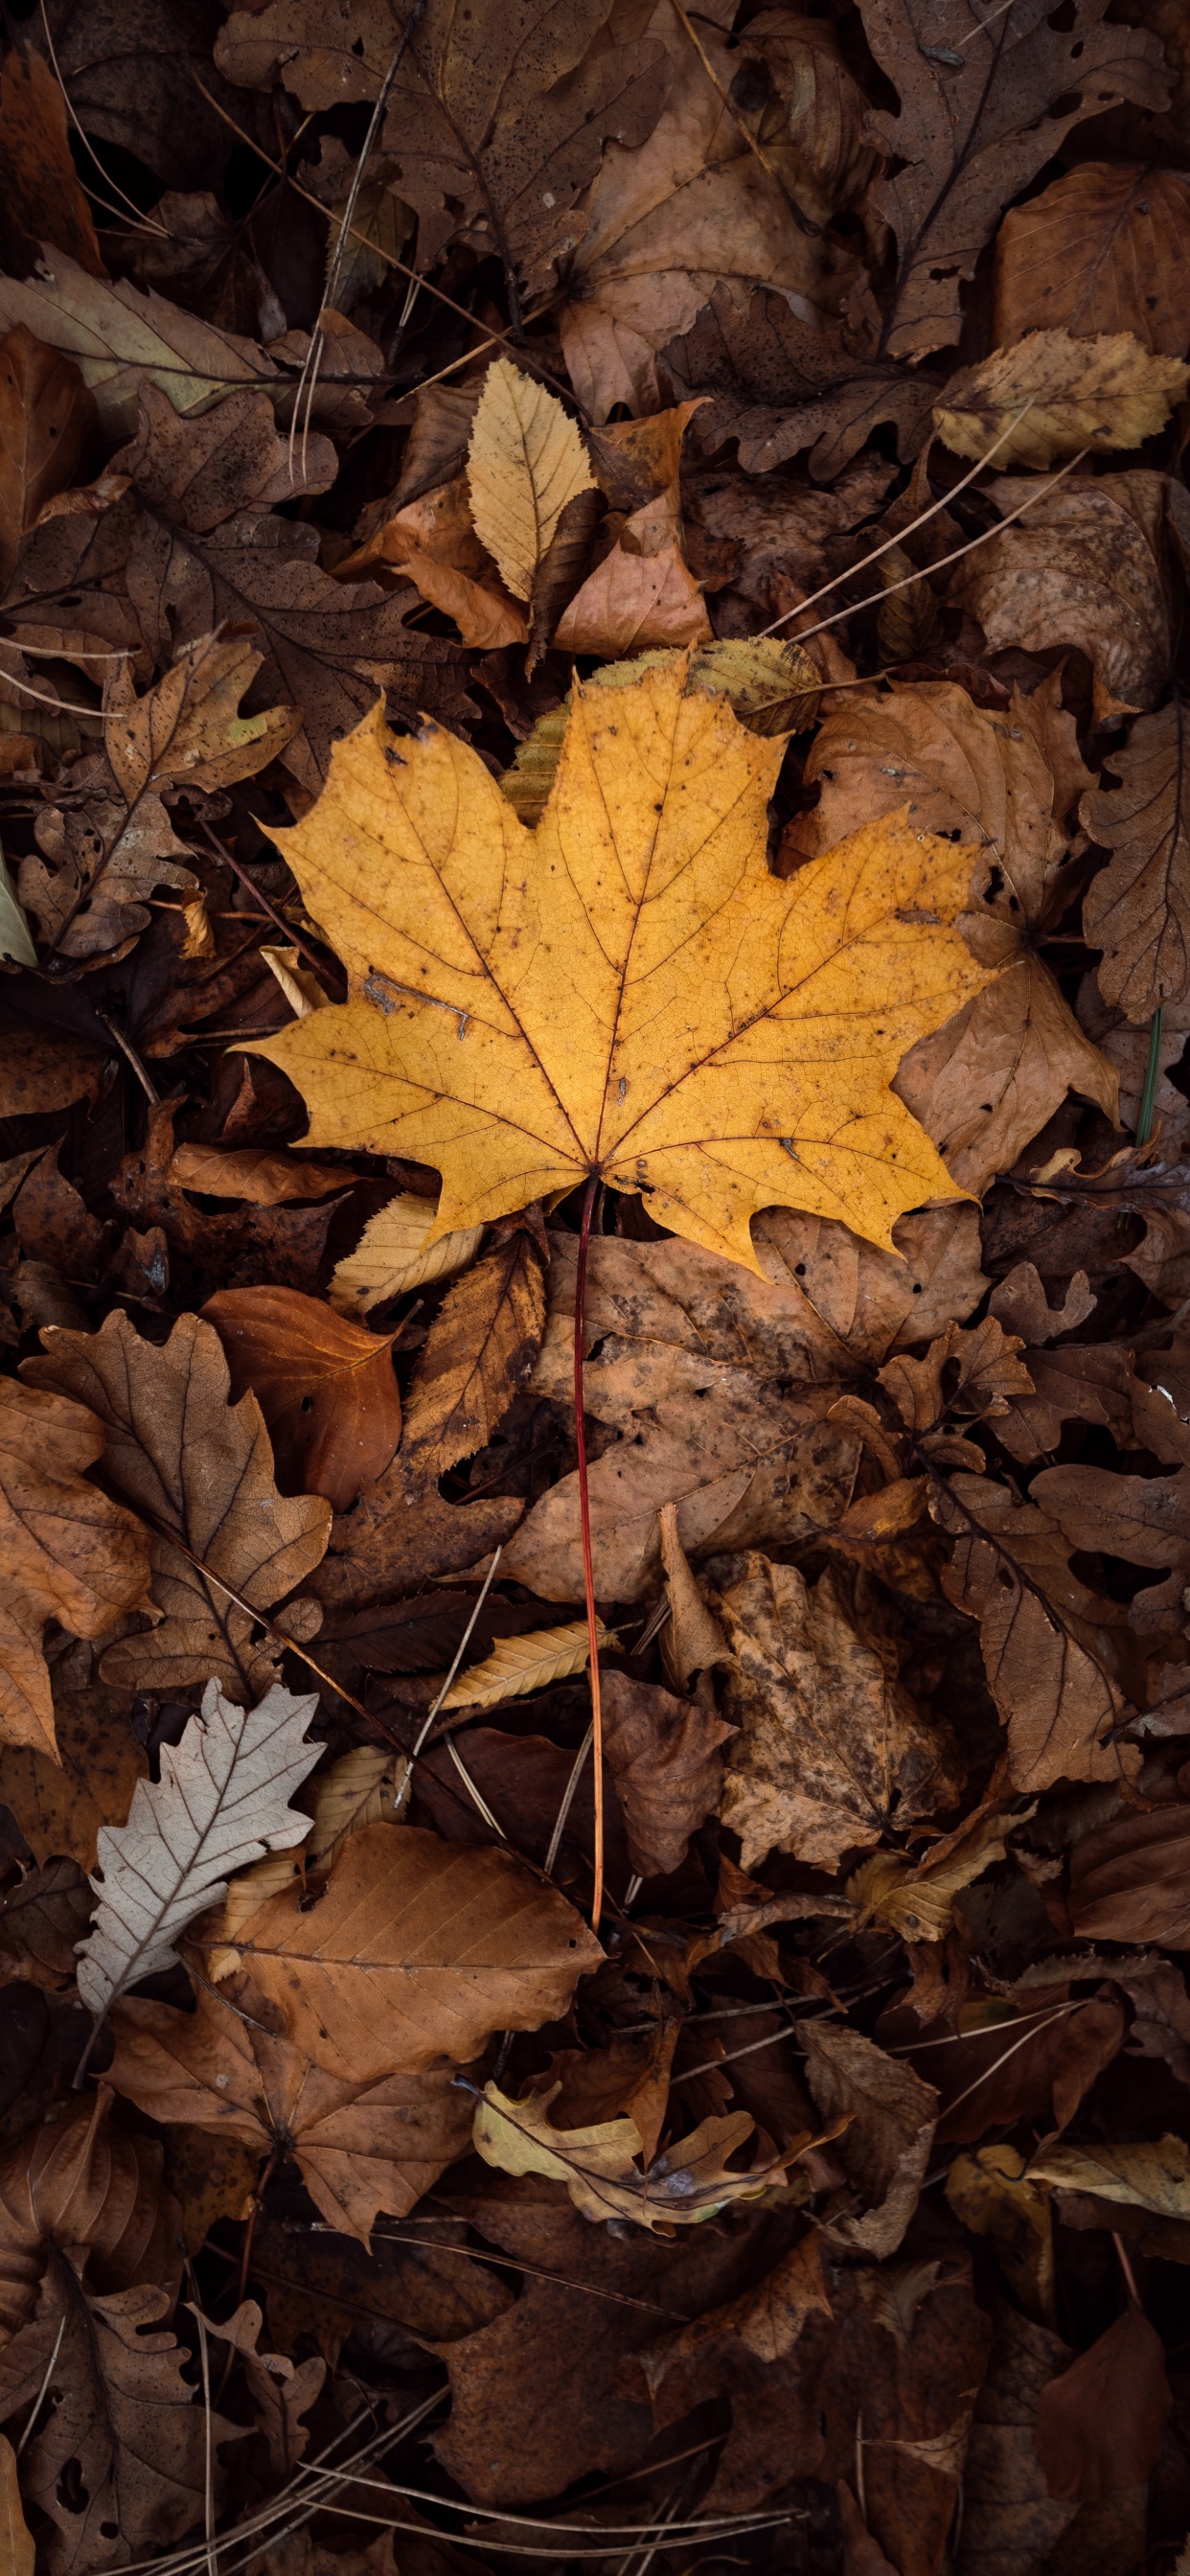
(526, 460)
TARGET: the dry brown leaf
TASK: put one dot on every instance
(281, 2391)
(1100, 2426)
(1050, 396)
(46, 1069)
(643, 593)
(16, 2539)
(125, 2413)
(42, 1921)
(1104, 248)
(231, 2069)
(664, 1757)
(417, 1950)
(492, 130)
(970, 1374)
(45, 419)
(981, 112)
(117, 335)
(71, 1554)
(43, 194)
(1051, 1647)
(479, 1350)
(1081, 569)
(77, 2179)
(402, 1534)
(831, 1751)
(1145, 1519)
(1138, 908)
(60, 1805)
(325, 1387)
(885, 2146)
(1128, 1882)
(200, 1470)
(1010, 2519)
(263, 1178)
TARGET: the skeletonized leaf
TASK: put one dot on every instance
(1098, 393)
(520, 1664)
(526, 460)
(391, 1256)
(222, 1801)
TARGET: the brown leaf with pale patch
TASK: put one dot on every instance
(417, 1950)
(71, 1554)
(885, 2146)
(231, 2068)
(831, 1750)
(200, 1469)
(1104, 248)
(325, 1386)
(1081, 568)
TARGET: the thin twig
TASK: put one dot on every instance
(584, 1505)
(301, 944)
(568, 1796)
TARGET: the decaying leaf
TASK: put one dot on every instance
(831, 1750)
(579, 1034)
(1105, 248)
(885, 2144)
(222, 1800)
(1051, 396)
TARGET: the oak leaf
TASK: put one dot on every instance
(683, 2187)
(281, 2391)
(524, 1047)
(200, 1471)
(1137, 910)
(232, 2070)
(115, 334)
(72, 1554)
(831, 1750)
(122, 2410)
(1051, 396)
(222, 1799)
(325, 1386)
(1104, 248)
(417, 1950)
(980, 114)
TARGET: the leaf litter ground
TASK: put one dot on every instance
(594, 1260)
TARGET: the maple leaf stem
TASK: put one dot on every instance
(584, 1505)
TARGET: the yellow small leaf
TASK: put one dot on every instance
(520, 1664)
(526, 461)
(301, 988)
(687, 2184)
(394, 1255)
(1152, 2174)
(1098, 393)
(357, 1790)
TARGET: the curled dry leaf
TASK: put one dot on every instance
(201, 1471)
(231, 2069)
(264, 1179)
(417, 1950)
(1138, 909)
(1051, 396)
(1082, 568)
(78, 2180)
(664, 1756)
(72, 1554)
(683, 2187)
(221, 1801)
(885, 2145)
(831, 1750)
(1106, 248)
(324, 1385)
(391, 1257)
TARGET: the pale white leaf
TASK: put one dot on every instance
(221, 1802)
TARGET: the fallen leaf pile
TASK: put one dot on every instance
(594, 769)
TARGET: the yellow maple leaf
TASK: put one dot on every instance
(627, 990)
